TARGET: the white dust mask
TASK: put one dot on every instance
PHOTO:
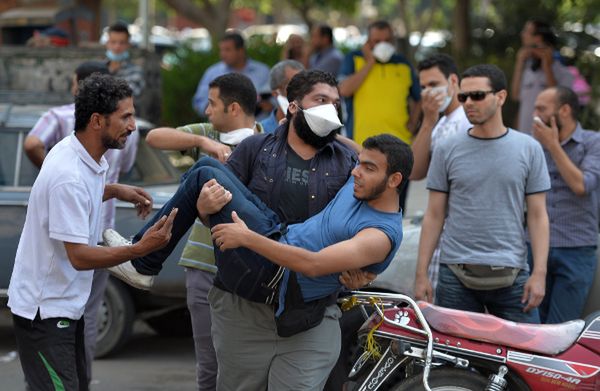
(235, 136)
(447, 97)
(383, 51)
(283, 103)
(322, 119)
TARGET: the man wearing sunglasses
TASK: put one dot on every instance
(479, 182)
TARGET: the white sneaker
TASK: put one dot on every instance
(125, 271)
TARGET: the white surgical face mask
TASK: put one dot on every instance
(283, 103)
(322, 119)
(235, 136)
(383, 51)
(447, 98)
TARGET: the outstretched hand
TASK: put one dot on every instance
(159, 235)
(230, 235)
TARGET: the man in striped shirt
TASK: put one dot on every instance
(573, 159)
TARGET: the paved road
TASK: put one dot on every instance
(148, 362)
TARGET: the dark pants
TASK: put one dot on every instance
(570, 275)
(504, 303)
(52, 353)
(257, 216)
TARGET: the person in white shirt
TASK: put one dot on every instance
(55, 125)
(57, 251)
(438, 76)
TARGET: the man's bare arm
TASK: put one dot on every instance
(433, 222)
(35, 150)
(367, 247)
(539, 233)
(84, 257)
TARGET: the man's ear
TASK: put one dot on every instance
(97, 121)
(502, 94)
(293, 107)
(235, 108)
(395, 180)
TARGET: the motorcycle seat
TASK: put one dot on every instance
(548, 339)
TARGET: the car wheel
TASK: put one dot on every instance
(176, 323)
(115, 319)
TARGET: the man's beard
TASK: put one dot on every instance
(112, 143)
(303, 131)
(376, 192)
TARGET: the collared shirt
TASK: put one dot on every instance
(256, 71)
(270, 123)
(380, 104)
(133, 75)
(574, 219)
(59, 122)
(328, 60)
(64, 206)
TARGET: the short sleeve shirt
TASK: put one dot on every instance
(487, 181)
(64, 206)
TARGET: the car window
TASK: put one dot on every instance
(8, 153)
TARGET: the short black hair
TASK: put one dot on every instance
(303, 83)
(380, 25)
(119, 27)
(566, 96)
(544, 30)
(235, 87)
(87, 68)
(398, 154)
(99, 94)
(326, 31)
(236, 38)
(494, 74)
(442, 61)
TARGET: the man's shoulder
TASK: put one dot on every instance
(258, 65)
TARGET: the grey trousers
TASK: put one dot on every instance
(198, 283)
(90, 316)
(251, 356)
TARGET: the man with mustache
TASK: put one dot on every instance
(573, 159)
(58, 251)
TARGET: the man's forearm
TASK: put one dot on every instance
(173, 139)
(570, 173)
(353, 82)
(539, 233)
(35, 150)
(428, 241)
(421, 148)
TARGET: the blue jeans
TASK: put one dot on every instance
(248, 206)
(569, 279)
(504, 303)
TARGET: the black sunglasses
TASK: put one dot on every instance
(474, 95)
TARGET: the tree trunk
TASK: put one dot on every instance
(213, 16)
(462, 29)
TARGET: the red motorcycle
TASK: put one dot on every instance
(413, 346)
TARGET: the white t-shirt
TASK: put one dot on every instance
(59, 122)
(64, 206)
(449, 125)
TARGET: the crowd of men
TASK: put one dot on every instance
(510, 228)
